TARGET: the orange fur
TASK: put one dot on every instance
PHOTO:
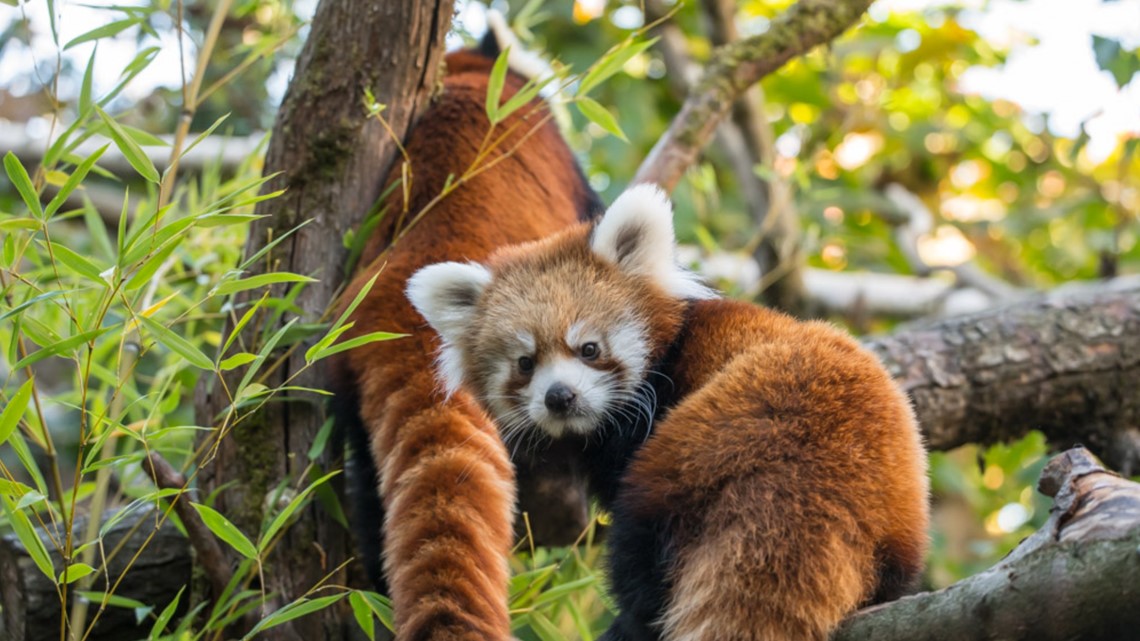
(784, 481)
(444, 476)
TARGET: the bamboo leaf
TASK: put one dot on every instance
(282, 517)
(23, 184)
(261, 280)
(495, 85)
(226, 531)
(600, 116)
(78, 264)
(294, 610)
(177, 344)
(14, 410)
(22, 526)
(167, 613)
(363, 615)
(373, 337)
(73, 181)
(542, 626)
(105, 31)
(381, 607)
(131, 150)
(611, 64)
(85, 86)
(74, 572)
(237, 360)
(59, 347)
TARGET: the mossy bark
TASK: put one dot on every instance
(330, 156)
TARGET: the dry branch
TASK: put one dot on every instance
(1066, 363)
(736, 67)
(1078, 577)
(209, 553)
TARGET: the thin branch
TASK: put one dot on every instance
(210, 555)
(736, 67)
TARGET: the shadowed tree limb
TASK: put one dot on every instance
(735, 68)
(1075, 578)
(1066, 363)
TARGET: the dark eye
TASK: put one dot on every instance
(526, 364)
(589, 351)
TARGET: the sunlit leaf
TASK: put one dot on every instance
(226, 531)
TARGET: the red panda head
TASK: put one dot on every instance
(560, 333)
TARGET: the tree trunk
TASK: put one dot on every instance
(330, 155)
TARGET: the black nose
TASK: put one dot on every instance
(559, 398)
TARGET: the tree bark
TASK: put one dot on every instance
(331, 156)
(1066, 363)
(1075, 578)
(736, 67)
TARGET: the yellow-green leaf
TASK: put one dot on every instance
(226, 531)
(14, 410)
(23, 184)
(131, 150)
(600, 116)
(261, 280)
(495, 85)
(177, 344)
(74, 572)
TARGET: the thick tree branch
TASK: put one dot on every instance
(736, 67)
(1075, 578)
(1066, 363)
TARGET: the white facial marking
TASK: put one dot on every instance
(628, 344)
(578, 334)
(590, 385)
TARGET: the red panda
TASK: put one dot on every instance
(432, 482)
(765, 475)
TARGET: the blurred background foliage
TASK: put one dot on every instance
(1033, 204)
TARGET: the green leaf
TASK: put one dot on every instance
(381, 607)
(14, 489)
(74, 572)
(495, 85)
(282, 517)
(226, 531)
(78, 264)
(14, 410)
(23, 184)
(320, 440)
(111, 599)
(522, 97)
(131, 150)
(29, 539)
(237, 360)
(59, 347)
(294, 610)
(177, 344)
(611, 63)
(373, 337)
(32, 301)
(167, 613)
(561, 591)
(73, 181)
(85, 86)
(104, 31)
(542, 627)
(363, 615)
(600, 116)
(261, 280)
(242, 322)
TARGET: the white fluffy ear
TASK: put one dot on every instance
(446, 293)
(636, 234)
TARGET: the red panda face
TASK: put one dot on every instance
(559, 334)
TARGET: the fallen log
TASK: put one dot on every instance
(31, 604)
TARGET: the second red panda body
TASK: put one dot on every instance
(766, 475)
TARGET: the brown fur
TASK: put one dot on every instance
(444, 475)
(788, 472)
